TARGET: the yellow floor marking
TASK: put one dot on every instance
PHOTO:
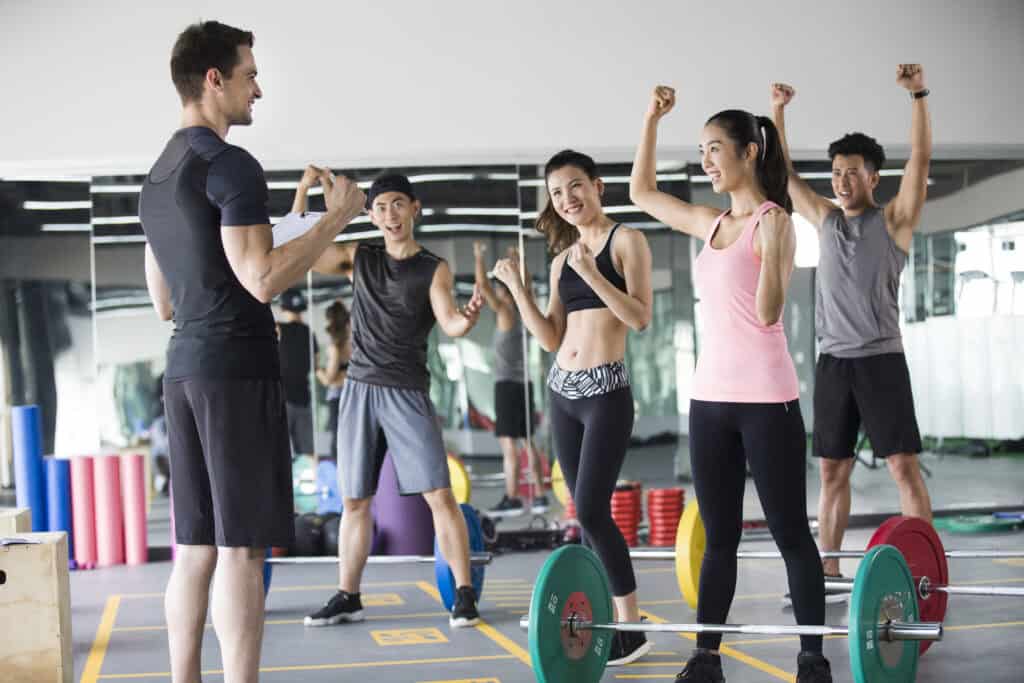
(494, 634)
(972, 627)
(733, 653)
(284, 622)
(1011, 561)
(329, 667)
(94, 664)
(408, 636)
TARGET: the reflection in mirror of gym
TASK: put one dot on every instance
(512, 355)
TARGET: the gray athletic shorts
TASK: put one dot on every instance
(374, 420)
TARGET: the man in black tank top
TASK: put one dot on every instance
(400, 291)
(211, 266)
(861, 374)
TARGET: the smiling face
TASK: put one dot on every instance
(853, 181)
(723, 162)
(394, 213)
(239, 90)
(574, 195)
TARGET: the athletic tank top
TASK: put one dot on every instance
(391, 317)
(740, 360)
(508, 353)
(857, 286)
(576, 294)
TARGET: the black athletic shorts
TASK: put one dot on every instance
(873, 390)
(231, 471)
(510, 411)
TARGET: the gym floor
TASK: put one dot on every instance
(119, 634)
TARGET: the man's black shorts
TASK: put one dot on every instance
(231, 472)
(873, 390)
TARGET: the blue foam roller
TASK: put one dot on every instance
(29, 479)
(443, 573)
(328, 495)
(58, 498)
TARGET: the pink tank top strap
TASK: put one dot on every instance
(765, 207)
(715, 224)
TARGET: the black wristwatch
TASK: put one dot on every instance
(919, 94)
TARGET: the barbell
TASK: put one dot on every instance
(478, 559)
(914, 538)
(571, 620)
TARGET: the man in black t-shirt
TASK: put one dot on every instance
(211, 265)
(298, 353)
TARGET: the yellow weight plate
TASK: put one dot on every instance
(462, 488)
(690, 552)
(558, 485)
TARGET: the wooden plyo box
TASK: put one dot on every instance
(14, 521)
(35, 608)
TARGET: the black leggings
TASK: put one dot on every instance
(770, 437)
(591, 435)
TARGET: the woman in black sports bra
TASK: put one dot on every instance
(600, 289)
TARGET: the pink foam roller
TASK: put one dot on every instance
(133, 498)
(109, 521)
(83, 516)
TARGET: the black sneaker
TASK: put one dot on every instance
(627, 647)
(833, 596)
(702, 667)
(812, 667)
(540, 505)
(508, 507)
(464, 610)
(342, 607)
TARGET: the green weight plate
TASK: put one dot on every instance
(572, 581)
(976, 524)
(882, 591)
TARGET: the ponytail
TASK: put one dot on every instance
(772, 171)
(743, 128)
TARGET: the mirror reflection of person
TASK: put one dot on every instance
(332, 375)
(600, 289)
(297, 362)
(512, 409)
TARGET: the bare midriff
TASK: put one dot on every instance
(593, 337)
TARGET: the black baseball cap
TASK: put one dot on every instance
(293, 300)
(389, 182)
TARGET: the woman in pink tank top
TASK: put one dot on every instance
(744, 410)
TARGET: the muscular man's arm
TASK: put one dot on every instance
(454, 321)
(903, 213)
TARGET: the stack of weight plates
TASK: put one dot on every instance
(627, 510)
(664, 508)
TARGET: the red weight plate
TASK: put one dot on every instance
(576, 645)
(922, 548)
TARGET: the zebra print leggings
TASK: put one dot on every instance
(591, 420)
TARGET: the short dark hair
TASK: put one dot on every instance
(201, 47)
(858, 143)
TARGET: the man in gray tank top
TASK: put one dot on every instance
(512, 410)
(861, 375)
(399, 291)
